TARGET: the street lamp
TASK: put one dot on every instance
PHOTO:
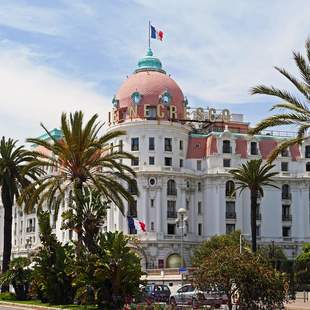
(181, 220)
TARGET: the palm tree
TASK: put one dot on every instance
(253, 175)
(81, 159)
(14, 177)
(295, 108)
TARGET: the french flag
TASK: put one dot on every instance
(136, 224)
(156, 34)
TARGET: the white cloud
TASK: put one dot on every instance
(31, 94)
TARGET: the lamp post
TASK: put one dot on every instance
(182, 219)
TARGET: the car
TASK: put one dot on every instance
(190, 295)
(157, 293)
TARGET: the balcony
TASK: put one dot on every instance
(286, 217)
(258, 217)
(287, 238)
(171, 214)
(231, 215)
(30, 229)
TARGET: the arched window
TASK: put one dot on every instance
(171, 188)
(174, 261)
(133, 188)
(286, 191)
(229, 190)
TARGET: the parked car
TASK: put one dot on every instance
(156, 293)
(189, 295)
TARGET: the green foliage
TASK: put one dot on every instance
(109, 275)
(215, 243)
(303, 267)
(19, 275)
(275, 256)
(293, 110)
(15, 175)
(82, 157)
(254, 176)
(7, 296)
(51, 281)
(249, 276)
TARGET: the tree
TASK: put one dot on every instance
(19, 275)
(111, 274)
(294, 110)
(52, 280)
(253, 175)
(245, 276)
(303, 267)
(90, 220)
(82, 159)
(15, 175)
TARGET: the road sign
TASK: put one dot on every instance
(182, 269)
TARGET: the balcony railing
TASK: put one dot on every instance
(258, 217)
(287, 196)
(231, 215)
(171, 214)
(287, 238)
(287, 217)
(31, 229)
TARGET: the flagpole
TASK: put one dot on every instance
(149, 34)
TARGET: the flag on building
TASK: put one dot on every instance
(136, 224)
(156, 34)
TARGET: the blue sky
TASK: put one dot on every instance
(64, 55)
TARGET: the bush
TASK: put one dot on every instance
(7, 296)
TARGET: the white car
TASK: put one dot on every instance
(189, 295)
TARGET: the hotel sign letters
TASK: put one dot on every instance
(210, 115)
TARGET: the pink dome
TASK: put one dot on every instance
(150, 85)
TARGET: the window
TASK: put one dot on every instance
(284, 153)
(199, 208)
(257, 230)
(135, 144)
(307, 151)
(226, 146)
(171, 229)
(152, 226)
(187, 204)
(151, 113)
(286, 216)
(135, 161)
(160, 263)
(308, 166)
(133, 188)
(132, 209)
(168, 144)
(168, 161)
(230, 228)
(199, 186)
(258, 214)
(181, 145)
(70, 234)
(230, 188)
(151, 143)
(181, 163)
(286, 191)
(171, 188)
(171, 209)
(226, 163)
(286, 231)
(151, 160)
(120, 145)
(284, 166)
(254, 150)
(199, 165)
(230, 210)
(199, 229)
(152, 203)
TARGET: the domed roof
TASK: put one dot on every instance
(152, 85)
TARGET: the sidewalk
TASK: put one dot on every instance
(297, 305)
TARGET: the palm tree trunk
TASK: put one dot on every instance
(253, 218)
(7, 201)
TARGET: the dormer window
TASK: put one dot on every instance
(284, 153)
(254, 149)
(115, 102)
(165, 98)
(136, 97)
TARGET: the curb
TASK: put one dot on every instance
(27, 306)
